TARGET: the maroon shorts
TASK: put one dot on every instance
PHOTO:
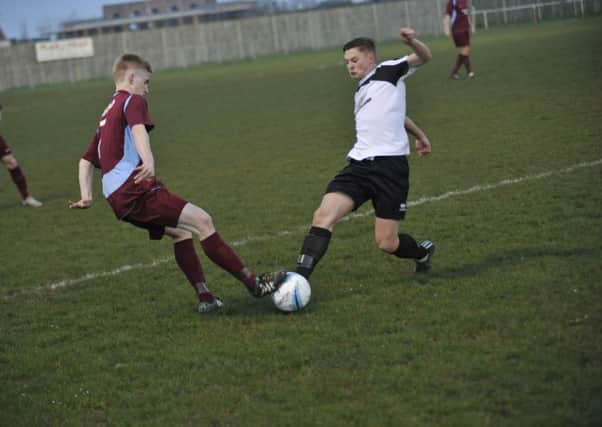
(461, 38)
(4, 149)
(156, 210)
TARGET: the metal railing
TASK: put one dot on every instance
(536, 11)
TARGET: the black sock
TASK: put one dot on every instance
(408, 248)
(313, 249)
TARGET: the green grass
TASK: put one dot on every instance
(505, 331)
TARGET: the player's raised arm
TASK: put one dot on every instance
(86, 176)
(421, 54)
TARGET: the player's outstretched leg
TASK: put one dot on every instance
(314, 248)
(334, 206)
(188, 261)
(196, 220)
(223, 255)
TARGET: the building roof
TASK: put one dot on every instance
(103, 23)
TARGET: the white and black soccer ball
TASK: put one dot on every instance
(293, 294)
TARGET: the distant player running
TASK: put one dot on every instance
(456, 24)
(10, 162)
(378, 166)
(121, 149)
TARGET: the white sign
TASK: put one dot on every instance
(64, 49)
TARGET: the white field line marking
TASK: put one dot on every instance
(475, 189)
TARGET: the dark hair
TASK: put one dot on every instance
(362, 43)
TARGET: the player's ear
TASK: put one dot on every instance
(372, 56)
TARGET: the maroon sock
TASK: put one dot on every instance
(19, 180)
(189, 263)
(467, 64)
(459, 61)
(223, 255)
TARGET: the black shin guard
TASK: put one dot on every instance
(408, 248)
(314, 247)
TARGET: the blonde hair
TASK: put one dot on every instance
(129, 61)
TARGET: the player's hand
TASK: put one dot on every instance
(407, 34)
(144, 172)
(80, 204)
(423, 147)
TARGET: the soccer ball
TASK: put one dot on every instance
(293, 294)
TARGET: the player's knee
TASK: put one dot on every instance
(387, 243)
(10, 162)
(179, 234)
(205, 223)
(322, 218)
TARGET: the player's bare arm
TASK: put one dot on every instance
(467, 13)
(423, 145)
(447, 25)
(421, 54)
(142, 143)
(86, 176)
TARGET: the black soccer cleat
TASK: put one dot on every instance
(424, 264)
(268, 283)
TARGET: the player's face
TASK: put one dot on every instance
(140, 82)
(359, 63)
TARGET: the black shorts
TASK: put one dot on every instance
(384, 180)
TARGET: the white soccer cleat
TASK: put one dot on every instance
(31, 202)
(208, 307)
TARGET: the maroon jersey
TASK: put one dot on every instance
(458, 11)
(112, 150)
(4, 149)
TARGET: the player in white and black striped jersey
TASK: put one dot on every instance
(378, 167)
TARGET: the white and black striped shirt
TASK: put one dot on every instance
(380, 111)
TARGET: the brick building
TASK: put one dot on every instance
(144, 15)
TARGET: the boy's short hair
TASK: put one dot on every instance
(127, 61)
(362, 43)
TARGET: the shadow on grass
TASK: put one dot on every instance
(504, 260)
(237, 307)
(47, 198)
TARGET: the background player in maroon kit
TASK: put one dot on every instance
(121, 149)
(456, 24)
(16, 174)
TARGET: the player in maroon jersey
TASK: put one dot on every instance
(121, 149)
(15, 172)
(456, 24)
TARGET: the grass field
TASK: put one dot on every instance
(98, 326)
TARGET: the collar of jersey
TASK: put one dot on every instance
(367, 78)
